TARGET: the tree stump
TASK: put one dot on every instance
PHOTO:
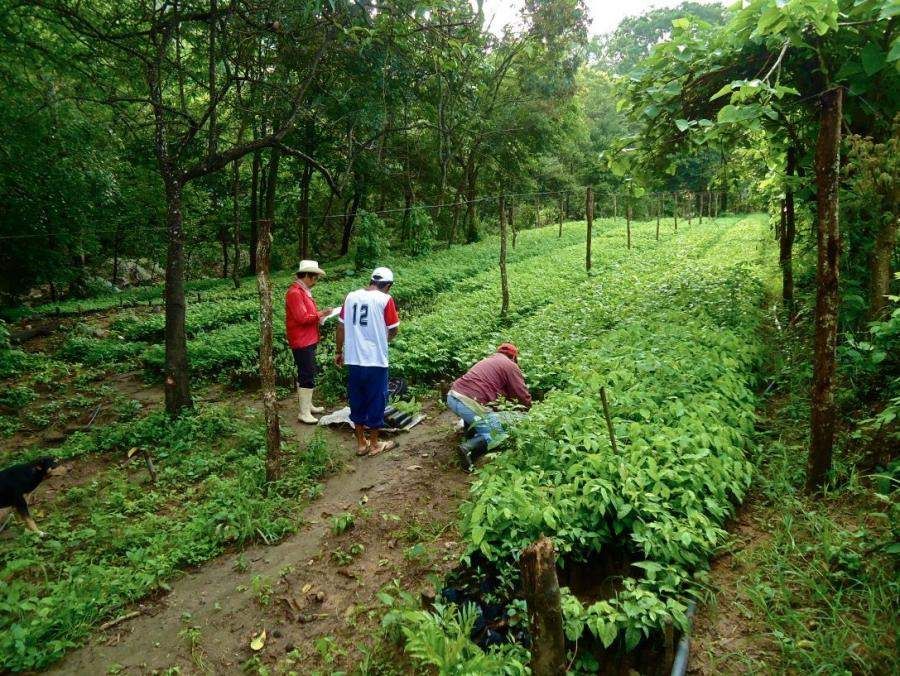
(541, 589)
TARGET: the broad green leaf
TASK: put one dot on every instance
(894, 53)
(682, 125)
(873, 59)
(723, 91)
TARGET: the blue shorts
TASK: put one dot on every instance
(367, 390)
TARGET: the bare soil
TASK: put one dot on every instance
(313, 585)
(725, 627)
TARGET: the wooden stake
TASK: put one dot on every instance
(504, 284)
(266, 352)
(560, 216)
(609, 424)
(589, 215)
(658, 210)
(541, 590)
(675, 210)
(628, 224)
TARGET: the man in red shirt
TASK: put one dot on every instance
(301, 319)
(483, 384)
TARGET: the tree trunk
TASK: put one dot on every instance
(457, 208)
(471, 215)
(700, 212)
(788, 233)
(589, 216)
(541, 590)
(254, 207)
(236, 217)
(303, 230)
(880, 263)
(177, 376)
(272, 186)
(827, 163)
(266, 353)
(349, 218)
(504, 284)
(615, 205)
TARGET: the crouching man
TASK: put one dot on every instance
(471, 396)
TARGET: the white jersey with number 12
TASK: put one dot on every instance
(367, 315)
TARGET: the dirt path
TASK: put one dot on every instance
(727, 637)
(313, 585)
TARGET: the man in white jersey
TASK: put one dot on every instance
(368, 321)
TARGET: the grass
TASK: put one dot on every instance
(818, 584)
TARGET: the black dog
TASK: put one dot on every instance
(19, 480)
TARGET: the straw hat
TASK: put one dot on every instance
(310, 267)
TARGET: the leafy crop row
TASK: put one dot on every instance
(440, 280)
(678, 363)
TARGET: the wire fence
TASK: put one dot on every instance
(615, 197)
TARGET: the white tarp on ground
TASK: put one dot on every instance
(395, 421)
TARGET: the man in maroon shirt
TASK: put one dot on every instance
(471, 395)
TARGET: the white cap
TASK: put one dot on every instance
(382, 275)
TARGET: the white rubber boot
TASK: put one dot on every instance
(312, 407)
(304, 396)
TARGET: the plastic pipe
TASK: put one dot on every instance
(679, 666)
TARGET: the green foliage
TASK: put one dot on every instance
(121, 537)
(421, 231)
(371, 241)
(678, 363)
(96, 351)
(439, 639)
(342, 523)
(16, 397)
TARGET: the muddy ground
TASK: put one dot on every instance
(316, 584)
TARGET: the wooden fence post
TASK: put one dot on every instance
(266, 353)
(628, 223)
(541, 590)
(589, 215)
(504, 284)
(675, 210)
(615, 207)
(560, 216)
(658, 210)
(700, 215)
(512, 223)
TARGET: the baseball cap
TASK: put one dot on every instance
(382, 275)
(509, 350)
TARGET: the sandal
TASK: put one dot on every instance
(382, 446)
(362, 451)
